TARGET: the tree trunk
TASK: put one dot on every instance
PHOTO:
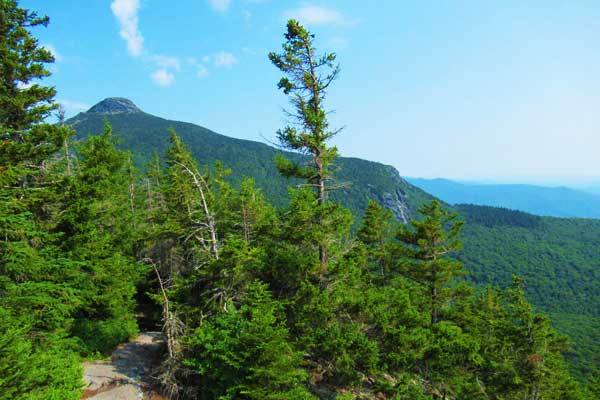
(323, 250)
(434, 310)
(173, 329)
(210, 220)
(67, 156)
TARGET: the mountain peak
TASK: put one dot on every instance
(114, 105)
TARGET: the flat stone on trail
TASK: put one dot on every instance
(124, 392)
(127, 375)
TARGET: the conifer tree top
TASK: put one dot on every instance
(23, 101)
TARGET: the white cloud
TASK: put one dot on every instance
(220, 5)
(225, 60)
(162, 77)
(126, 12)
(73, 106)
(202, 71)
(52, 50)
(316, 15)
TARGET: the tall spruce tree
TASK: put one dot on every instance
(23, 102)
(38, 293)
(308, 75)
(25, 142)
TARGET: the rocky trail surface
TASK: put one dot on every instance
(127, 375)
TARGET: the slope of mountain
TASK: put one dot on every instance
(559, 258)
(540, 200)
(146, 134)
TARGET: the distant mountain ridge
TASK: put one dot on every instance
(145, 134)
(540, 200)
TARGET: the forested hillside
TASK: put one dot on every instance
(559, 259)
(145, 135)
(257, 298)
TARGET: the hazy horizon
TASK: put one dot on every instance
(568, 181)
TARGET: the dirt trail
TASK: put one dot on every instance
(126, 376)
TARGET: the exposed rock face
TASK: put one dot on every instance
(396, 202)
(114, 105)
(396, 197)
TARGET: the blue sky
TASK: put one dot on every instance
(477, 90)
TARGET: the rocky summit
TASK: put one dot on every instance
(114, 105)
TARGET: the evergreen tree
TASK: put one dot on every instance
(485, 317)
(97, 229)
(245, 353)
(307, 78)
(39, 291)
(426, 247)
(191, 192)
(23, 102)
(375, 234)
(594, 386)
(25, 142)
(539, 351)
(35, 371)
